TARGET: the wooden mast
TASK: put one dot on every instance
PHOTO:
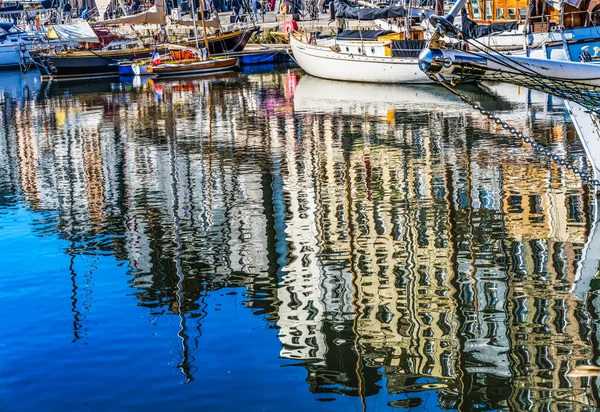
(203, 29)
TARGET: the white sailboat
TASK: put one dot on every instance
(328, 61)
(363, 55)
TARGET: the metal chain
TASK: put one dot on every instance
(588, 178)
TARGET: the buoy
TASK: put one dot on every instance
(289, 26)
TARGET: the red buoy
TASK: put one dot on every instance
(289, 26)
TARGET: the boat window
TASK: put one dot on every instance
(522, 13)
(512, 14)
(372, 50)
(499, 14)
(476, 9)
(488, 10)
(359, 50)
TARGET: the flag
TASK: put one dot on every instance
(155, 57)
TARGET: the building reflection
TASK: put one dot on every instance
(394, 248)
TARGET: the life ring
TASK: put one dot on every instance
(289, 26)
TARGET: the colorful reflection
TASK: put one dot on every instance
(406, 253)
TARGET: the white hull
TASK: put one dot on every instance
(584, 73)
(323, 62)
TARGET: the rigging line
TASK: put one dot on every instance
(496, 58)
(587, 178)
(581, 94)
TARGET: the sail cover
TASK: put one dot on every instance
(154, 15)
(75, 32)
(472, 30)
(344, 10)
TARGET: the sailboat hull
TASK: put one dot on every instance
(323, 62)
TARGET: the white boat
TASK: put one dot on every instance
(370, 56)
(327, 60)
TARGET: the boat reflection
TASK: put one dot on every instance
(419, 256)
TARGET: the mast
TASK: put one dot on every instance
(203, 29)
(194, 20)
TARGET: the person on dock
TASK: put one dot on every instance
(256, 5)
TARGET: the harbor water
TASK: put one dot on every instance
(266, 240)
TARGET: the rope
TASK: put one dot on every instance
(588, 178)
(586, 95)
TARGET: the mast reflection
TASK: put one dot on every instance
(394, 245)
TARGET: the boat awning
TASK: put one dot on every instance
(77, 32)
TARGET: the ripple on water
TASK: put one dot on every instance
(268, 240)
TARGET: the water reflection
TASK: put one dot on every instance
(397, 241)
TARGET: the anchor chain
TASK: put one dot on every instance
(588, 178)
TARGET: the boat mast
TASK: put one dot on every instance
(458, 4)
(194, 20)
(203, 29)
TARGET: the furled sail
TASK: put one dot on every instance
(154, 15)
(344, 10)
(472, 30)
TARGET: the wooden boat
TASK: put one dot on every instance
(542, 30)
(185, 68)
(180, 61)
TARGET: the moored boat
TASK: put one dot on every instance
(194, 67)
(328, 59)
(82, 64)
(373, 56)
